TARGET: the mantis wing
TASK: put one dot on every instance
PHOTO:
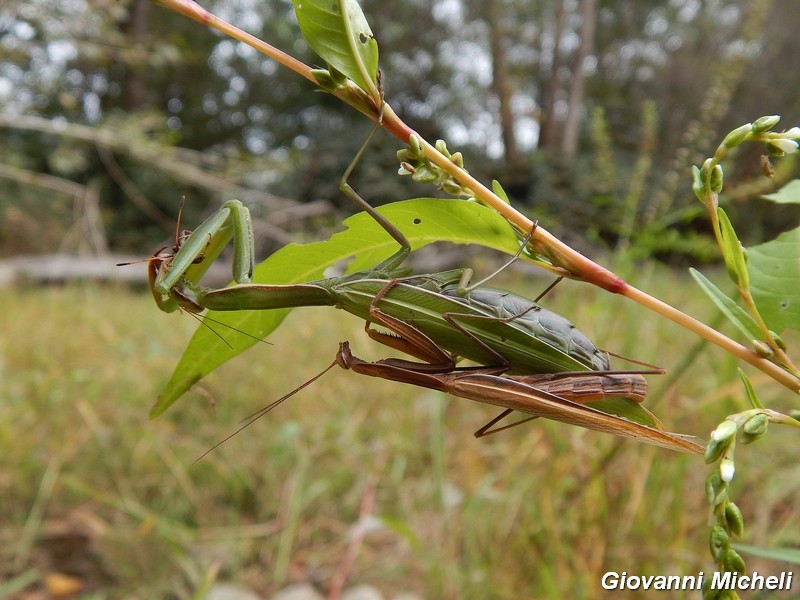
(505, 392)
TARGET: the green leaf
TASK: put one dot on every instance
(423, 221)
(338, 31)
(752, 397)
(787, 555)
(698, 184)
(775, 280)
(627, 409)
(735, 313)
(788, 194)
(732, 252)
(499, 191)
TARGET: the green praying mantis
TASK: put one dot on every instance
(487, 326)
(436, 318)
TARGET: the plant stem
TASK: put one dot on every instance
(565, 260)
(576, 266)
(711, 202)
(193, 10)
(715, 337)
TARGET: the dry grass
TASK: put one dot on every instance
(90, 488)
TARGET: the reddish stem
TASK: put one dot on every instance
(565, 260)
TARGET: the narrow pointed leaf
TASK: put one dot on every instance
(787, 555)
(735, 313)
(752, 397)
(732, 252)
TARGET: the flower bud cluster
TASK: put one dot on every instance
(414, 162)
(726, 518)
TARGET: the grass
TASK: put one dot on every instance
(90, 488)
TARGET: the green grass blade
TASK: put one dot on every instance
(423, 221)
(338, 31)
(787, 555)
(735, 313)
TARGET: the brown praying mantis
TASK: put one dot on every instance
(558, 396)
(437, 318)
(561, 397)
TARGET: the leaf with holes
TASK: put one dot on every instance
(775, 280)
(423, 221)
(338, 31)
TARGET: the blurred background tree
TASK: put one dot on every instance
(590, 113)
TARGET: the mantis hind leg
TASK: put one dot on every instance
(405, 337)
(489, 429)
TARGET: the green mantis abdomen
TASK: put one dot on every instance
(520, 314)
(512, 331)
(535, 320)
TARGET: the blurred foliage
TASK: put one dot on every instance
(662, 78)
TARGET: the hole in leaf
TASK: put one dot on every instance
(339, 268)
(417, 221)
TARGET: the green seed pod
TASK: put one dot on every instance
(754, 428)
(734, 519)
(708, 593)
(452, 187)
(766, 123)
(762, 349)
(718, 541)
(757, 424)
(778, 340)
(714, 594)
(714, 450)
(705, 170)
(414, 147)
(747, 438)
(339, 78)
(441, 146)
(458, 160)
(424, 175)
(737, 136)
(325, 80)
(715, 488)
(724, 431)
(733, 562)
(716, 179)
(698, 186)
